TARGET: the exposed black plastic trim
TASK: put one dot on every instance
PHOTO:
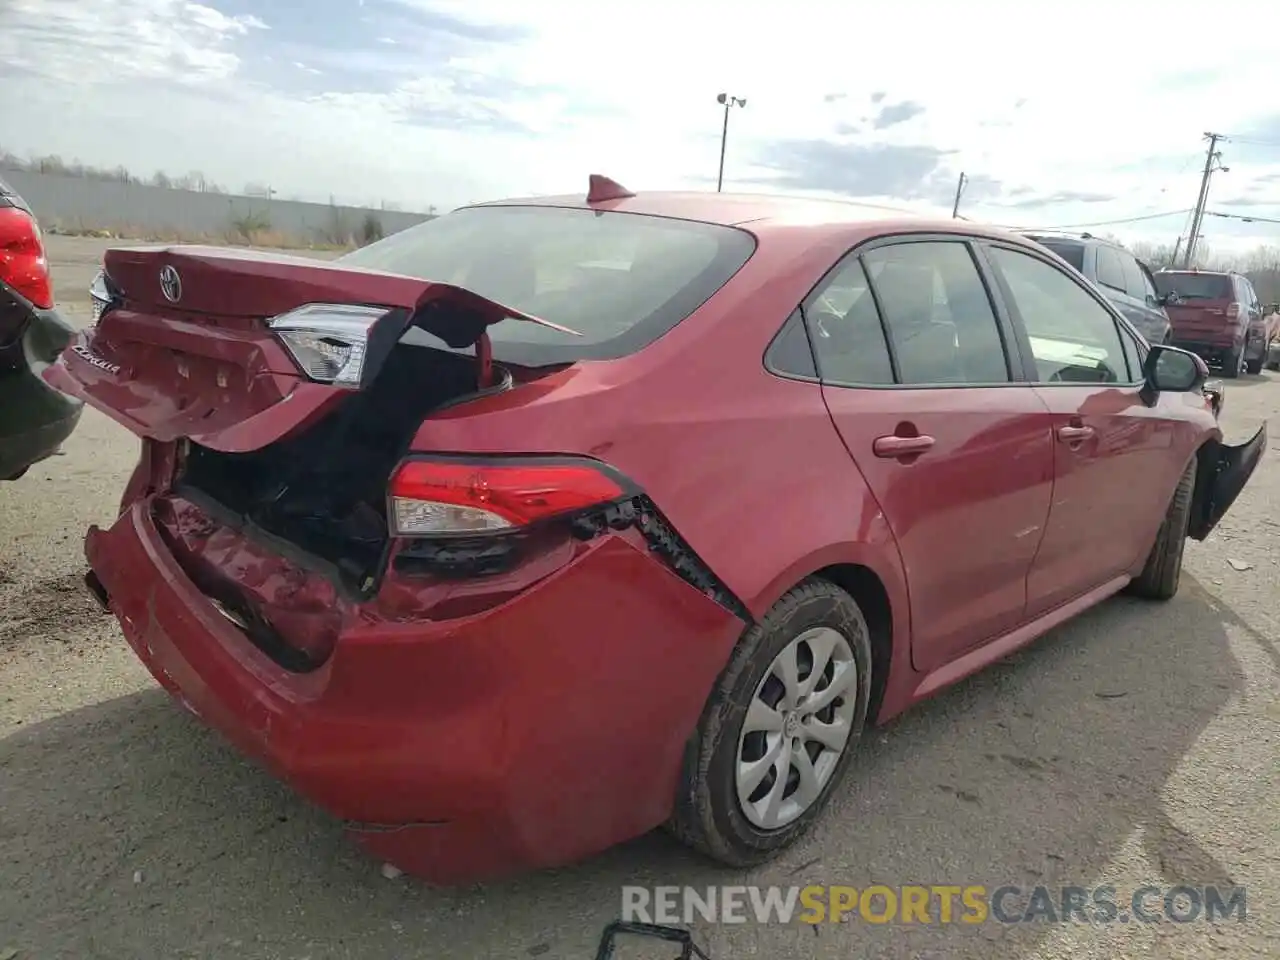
(643, 514)
(471, 555)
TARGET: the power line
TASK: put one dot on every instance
(1115, 223)
(1251, 141)
(1240, 216)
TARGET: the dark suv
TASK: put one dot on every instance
(1119, 276)
(34, 417)
(1217, 315)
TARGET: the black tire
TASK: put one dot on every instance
(1254, 367)
(1273, 365)
(1232, 363)
(707, 815)
(1163, 570)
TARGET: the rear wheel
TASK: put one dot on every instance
(1233, 363)
(1163, 571)
(1254, 367)
(778, 730)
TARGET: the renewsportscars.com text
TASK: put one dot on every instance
(942, 904)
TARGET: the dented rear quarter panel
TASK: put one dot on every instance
(747, 466)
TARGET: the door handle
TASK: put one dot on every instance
(893, 447)
(1074, 434)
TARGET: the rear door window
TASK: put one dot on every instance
(1110, 269)
(942, 328)
(1135, 283)
(621, 280)
(848, 338)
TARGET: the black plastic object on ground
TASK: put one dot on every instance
(688, 949)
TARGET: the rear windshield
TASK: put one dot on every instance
(619, 279)
(1073, 253)
(1195, 286)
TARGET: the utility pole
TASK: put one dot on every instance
(1214, 156)
(955, 207)
(728, 102)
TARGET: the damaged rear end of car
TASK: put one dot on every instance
(278, 398)
(296, 567)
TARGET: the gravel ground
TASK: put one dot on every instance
(1137, 745)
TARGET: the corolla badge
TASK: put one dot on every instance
(91, 358)
(171, 284)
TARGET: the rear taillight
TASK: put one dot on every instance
(448, 496)
(1233, 311)
(23, 265)
(102, 295)
(328, 340)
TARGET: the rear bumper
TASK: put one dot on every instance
(1210, 350)
(532, 735)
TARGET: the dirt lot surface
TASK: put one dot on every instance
(1137, 745)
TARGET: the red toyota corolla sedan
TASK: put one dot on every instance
(547, 522)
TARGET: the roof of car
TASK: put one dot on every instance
(763, 211)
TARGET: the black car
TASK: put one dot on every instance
(34, 417)
(1120, 276)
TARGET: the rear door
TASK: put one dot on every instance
(1142, 308)
(916, 372)
(1115, 457)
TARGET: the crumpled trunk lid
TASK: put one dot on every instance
(186, 351)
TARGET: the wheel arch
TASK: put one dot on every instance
(868, 591)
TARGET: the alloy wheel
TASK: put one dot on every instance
(796, 728)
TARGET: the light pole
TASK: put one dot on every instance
(727, 101)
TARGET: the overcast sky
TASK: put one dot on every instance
(1061, 114)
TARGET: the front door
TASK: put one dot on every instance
(959, 457)
(1108, 444)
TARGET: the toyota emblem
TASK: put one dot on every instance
(171, 284)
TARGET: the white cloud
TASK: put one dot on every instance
(1094, 100)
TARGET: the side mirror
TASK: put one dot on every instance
(1173, 370)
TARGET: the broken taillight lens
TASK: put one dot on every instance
(327, 340)
(447, 496)
(23, 265)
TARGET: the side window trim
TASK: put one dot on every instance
(1133, 275)
(1020, 327)
(889, 346)
(1148, 283)
(1133, 346)
(769, 358)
